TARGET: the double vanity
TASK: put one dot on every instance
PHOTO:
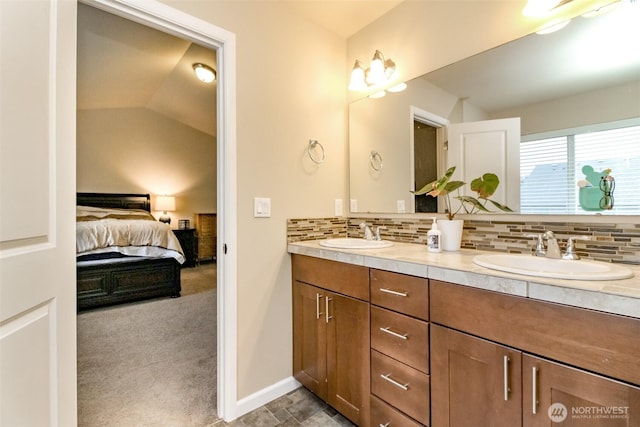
(398, 336)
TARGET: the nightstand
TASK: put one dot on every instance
(187, 239)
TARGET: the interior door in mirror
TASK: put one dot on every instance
(476, 148)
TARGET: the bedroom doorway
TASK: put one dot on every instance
(198, 36)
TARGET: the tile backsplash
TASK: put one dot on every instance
(615, 242)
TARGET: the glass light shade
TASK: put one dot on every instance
(357, 78)
(378, 94)
(204, 73)
(398, 88)
(165, 203)
(389, 69)
(376, 70)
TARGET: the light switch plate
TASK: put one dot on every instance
(338, 207)
(262, 207)
(401, 206)
(353, 206)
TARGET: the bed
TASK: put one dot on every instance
(122, 253)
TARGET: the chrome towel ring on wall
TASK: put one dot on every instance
(312, 144)
(375, 160)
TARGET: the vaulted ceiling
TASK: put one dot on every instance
(123, 64)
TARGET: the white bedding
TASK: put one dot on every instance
(129, 232)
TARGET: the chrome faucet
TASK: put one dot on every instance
(571, 253)
(368, 234)
(553, 250)
(539, 251)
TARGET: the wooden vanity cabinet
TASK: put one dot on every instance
(400, 382)
(331, 341)
(482, 361)
(582, 394)
(474, 382)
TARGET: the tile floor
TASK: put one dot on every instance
(298, 408)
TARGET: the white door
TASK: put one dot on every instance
(37, 198)
(476, 148)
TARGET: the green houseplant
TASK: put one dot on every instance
(451, 228)
(484, 186)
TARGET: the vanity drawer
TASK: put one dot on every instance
(402, 337)
(404, 387)
(399, 292)
(347, 279)
(383, 414)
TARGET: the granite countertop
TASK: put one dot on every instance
(612, 296)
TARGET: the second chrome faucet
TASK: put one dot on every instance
(552, 249)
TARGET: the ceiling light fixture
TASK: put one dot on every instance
(204, 73)
(380, 71)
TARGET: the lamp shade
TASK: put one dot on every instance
(165, 203)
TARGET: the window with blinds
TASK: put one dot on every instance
(551, 168)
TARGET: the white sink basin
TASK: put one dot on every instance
(353, 243)
(556, 268)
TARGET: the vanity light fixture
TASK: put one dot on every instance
(380, 71)
(204, 73)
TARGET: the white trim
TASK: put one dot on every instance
(267, 394)
(178, 23)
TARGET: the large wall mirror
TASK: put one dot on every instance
(579, 83)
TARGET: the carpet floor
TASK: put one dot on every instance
(151, 363)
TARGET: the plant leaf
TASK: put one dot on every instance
(486, 185)
(503, 208)
(438, 187)
(452, 186)
(474, 202)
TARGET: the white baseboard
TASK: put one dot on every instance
(266, 395)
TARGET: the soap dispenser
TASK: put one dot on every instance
(434, 238)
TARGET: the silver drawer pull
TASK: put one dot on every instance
(534, 391)
(505, 376)
(395, 334)
(392, 292)
(385, 425)
(387, 377)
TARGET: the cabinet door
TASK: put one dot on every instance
(473, 382)
(309, 338)
(348, 356)
(555, 393)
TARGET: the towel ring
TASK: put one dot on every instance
(375, 160)
(312, 144)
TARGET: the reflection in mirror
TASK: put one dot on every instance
(581, 79)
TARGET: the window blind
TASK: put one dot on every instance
(550, 169)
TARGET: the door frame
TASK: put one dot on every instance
(440, 123)
(183, 25)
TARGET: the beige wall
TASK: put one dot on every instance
(134, 150)
(291, 86)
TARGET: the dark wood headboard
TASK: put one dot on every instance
(114, 200)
